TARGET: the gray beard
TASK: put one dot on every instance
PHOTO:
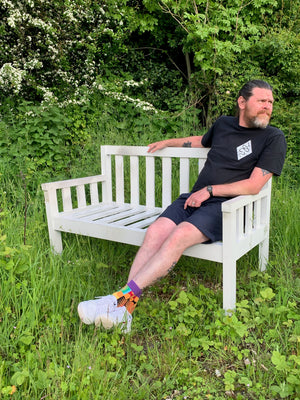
(259, 122)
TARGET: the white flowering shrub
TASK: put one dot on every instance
(52, 47)
(11, 78)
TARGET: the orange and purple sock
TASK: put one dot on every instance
(128, 296)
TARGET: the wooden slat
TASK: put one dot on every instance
(248, 218)
(135, 217)
(119, 179)
(119, 218)
(264, 210)
(258, 213)
(150, 182)
(107, 172)
(66, 198)
(81, 199)
(167, 181)
(166, 152)
(134, 180)
(89, 210)
(240, 222)
(144, 223)
(102, 215)
(184, 186)
(73, 182)
(94, 193)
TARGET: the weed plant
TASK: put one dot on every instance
(182, 345)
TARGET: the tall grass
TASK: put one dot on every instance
(182, 346)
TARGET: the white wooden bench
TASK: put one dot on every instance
(133, 189)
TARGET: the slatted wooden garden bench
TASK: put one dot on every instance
(132, 190)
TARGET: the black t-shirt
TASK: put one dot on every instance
(236, 150)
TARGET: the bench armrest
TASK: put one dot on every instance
(51, 190)
(246, 218)
(242, 201)
(73, 182)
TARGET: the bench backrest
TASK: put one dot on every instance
(152, 179)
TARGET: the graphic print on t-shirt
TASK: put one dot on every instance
(244, 150)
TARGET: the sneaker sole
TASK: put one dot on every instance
(81, 316)
(107, 323)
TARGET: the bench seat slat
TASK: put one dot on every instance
(89, 210)
(120, 215)
(100, 215)
(145, 223)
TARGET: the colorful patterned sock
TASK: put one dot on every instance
(128, 296)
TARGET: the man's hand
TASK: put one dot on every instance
(197, 198)
(152, 147)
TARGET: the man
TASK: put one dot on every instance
(245, 152)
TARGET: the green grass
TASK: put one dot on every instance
(181, 346)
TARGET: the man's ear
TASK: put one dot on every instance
(241, 102)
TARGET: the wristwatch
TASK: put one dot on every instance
(210, 190)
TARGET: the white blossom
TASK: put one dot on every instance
(11, 77)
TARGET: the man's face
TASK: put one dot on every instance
(257, 110)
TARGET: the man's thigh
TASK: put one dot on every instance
(207, 218)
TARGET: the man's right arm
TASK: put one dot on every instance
(192, 141)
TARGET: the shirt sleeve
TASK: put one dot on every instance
(273, 156)
(207, 138)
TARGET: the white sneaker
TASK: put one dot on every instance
(89, 310)
(119, 316)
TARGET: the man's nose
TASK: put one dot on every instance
(268, 106)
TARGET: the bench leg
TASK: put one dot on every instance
(229, 285)
(55, 241)
(263, 254)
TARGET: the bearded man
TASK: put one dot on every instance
(245, 152)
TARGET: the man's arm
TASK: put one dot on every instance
(192, 141)
(252, 185)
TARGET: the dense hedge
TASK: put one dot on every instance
(71, 72)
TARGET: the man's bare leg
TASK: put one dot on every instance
(165, 248)
(155, 236)
(166, 256)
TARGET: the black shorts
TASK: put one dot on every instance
(207, 218)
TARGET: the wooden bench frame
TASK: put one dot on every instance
(109, 208)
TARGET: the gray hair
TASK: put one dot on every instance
(247, 89)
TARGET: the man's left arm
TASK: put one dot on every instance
(252, 185)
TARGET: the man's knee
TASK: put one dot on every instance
(160, 229)
(186, 234)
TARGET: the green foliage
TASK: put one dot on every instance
(232, 42)
(56, 139)
(34, 138)
(182, 345)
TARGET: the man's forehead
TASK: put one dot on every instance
(262, 93)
